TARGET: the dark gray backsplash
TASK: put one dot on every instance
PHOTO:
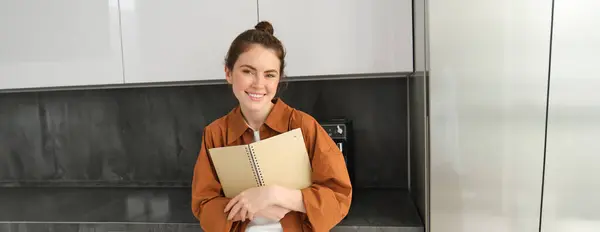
(151, 136)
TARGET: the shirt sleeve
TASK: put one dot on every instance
(207, 201)
(327, 200)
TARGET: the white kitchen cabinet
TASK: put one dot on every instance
(339, 37)
(59, 43)
(180, 40)
(572, 177)
(488, 79)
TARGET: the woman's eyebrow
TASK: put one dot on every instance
(253, 68)
(248, 66)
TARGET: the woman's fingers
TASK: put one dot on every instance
(250, 215)
(231, 203)
(243, 213)
(234, 209)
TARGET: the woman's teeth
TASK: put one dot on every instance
(255, 96)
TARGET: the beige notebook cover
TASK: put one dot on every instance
(279, 160)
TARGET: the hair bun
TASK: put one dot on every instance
(265, 26)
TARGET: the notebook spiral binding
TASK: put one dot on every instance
(251, 159)
(258, 170)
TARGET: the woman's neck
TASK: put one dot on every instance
(255, 119)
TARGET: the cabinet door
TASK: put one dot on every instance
(59, 43)
(180, 40)
(572, 178)
(488, 84)
(338, 37)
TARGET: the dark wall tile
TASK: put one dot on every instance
(151, 136)
(81, 133)
(162, 128)
(21, 139)
(378, 110)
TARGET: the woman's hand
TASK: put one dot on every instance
(236, 218)
(250, 201)
(273, 212)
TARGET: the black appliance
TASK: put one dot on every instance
(341, 131)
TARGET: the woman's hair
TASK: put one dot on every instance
(262, 34)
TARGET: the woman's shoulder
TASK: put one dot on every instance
(312, 130)
(218, 127)
(217, 124)
(287, 116)
(301, 119)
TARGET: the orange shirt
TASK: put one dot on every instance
(327, 200)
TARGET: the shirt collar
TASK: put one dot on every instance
(277, 120)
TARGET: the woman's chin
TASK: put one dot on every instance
(254, 105)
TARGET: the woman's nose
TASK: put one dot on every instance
(259, 79)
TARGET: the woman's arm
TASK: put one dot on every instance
(257, 201)
(290, 199)
(327, 201)
(207, 202)
(273, 212)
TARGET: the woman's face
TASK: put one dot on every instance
(254, 78)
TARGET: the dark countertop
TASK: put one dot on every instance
(168, 209)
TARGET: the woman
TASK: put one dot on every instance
(254, 67)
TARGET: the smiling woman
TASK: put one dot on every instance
(254, 66)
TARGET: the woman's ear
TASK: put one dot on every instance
(228, 74)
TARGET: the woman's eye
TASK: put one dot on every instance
(271, 76)
(246, 71)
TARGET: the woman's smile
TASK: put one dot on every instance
(255, 96)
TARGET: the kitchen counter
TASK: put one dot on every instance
(168, 209)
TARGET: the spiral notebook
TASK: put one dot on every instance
(279, 160)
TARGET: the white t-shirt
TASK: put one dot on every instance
(260, 224)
